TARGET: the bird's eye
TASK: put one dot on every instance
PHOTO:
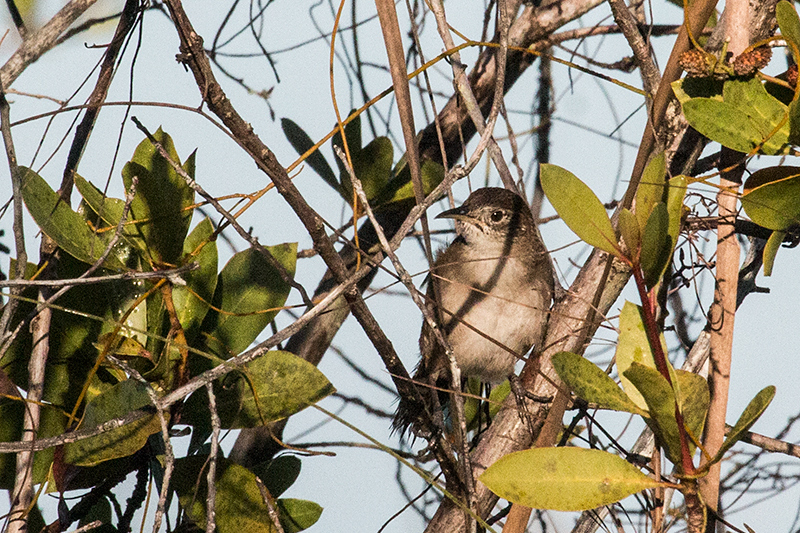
(497, 216)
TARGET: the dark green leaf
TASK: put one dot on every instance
(687, 88)
(118, 401)
(53, 422)
(749, 416)
(249, 293)
(352, 132)
(301, 142)
(564, 479)
(274, 386)
(109, 210)
(579, 208)
(656, 245)
(591, 383)
(163, 199)
(66, 227)
(278, 474)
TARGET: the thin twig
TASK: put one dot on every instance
(174, 275)
(641, 49)
(468, 96)
(211, 477)
(19, 234)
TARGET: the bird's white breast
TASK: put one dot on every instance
(513, 317)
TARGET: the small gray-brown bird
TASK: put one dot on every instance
(495, 286)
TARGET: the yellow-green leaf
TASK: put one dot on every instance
(591, 383)
(651, 188)
(771, 250)
(564, 479)
(749, 416)
(630, 233)
(249, 293)
(660, 400)
(633, 347)
(239, 505)
(789, 24)
(579, 208)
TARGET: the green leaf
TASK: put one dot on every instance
(239, 505)
(352, 132)
(119, 400)
(630, 233)
(301, 142)
(274, 386)
(651, 188)
(749, 416)
(297, 515)
(676, 191)
(191, 300)
(473, 411)
(751, 97)
(401, 188)
(660, 399)
(749, 117)
(789, 24)
(564, 479)
(109, 210)
(163, 199)
(794, 122)
(771, 250)
(249, 293)
(372, 165)
(771, 197)
(656, 245)
(592, 384)
(579, 208)
(66, 227)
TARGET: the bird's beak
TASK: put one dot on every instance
(457, 213)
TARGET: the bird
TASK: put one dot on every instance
(495, 285)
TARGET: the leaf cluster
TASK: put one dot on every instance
(163, 331)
